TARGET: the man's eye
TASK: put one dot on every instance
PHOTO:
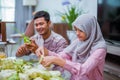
(36, 24)
(41, 23)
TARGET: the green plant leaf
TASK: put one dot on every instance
(26, 38)
(70, 14)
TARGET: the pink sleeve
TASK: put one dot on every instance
(61, 54)
(95, 58)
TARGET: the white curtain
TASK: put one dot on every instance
(21, 15)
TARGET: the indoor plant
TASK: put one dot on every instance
(70, 14)
(71, 11)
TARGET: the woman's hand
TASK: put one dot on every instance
(31, 46)
(41, 51)
(48, 60)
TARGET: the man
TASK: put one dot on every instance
(44, 37)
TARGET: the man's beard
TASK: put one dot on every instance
(45, 32)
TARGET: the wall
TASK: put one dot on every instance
(52, 6)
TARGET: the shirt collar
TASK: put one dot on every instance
(49, 38)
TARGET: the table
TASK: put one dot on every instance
(7, 47)
(17, 37)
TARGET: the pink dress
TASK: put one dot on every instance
(91, 69)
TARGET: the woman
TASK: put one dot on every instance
(85, 57)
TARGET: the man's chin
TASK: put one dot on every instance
(41, 33)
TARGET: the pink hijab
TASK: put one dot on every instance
(81, 50)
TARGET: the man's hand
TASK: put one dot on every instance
(21, 51)
(31, 46)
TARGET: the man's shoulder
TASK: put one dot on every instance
(35, 36)
(57, 36)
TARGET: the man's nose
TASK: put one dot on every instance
(38, 26)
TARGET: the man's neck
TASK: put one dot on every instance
(47, 35)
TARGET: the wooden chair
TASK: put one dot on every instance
(3, 31)
(30, 29)
(61, 28)
(3, 38)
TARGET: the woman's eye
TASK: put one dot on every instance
(80, 30)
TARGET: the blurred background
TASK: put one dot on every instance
(15, 16)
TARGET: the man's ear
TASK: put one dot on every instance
(51, 26)
(49, 22)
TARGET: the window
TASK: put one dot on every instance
(7, 10)
(109, 19)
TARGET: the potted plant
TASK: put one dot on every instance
(70, 14)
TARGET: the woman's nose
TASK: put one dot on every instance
(77, 33)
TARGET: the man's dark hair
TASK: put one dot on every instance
(44, 14)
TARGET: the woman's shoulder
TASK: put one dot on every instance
(100, 50)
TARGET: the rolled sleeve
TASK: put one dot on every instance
(72, 67)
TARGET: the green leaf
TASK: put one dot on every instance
(14, 77)
(26, 38)
(70, 14)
